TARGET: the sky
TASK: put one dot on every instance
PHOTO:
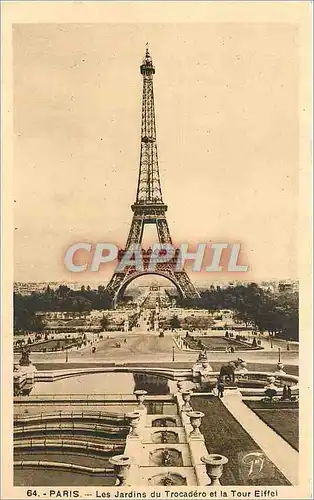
(226, 98)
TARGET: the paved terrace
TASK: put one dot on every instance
(149, 348)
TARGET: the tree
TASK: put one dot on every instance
(174, 322)
(104, 323)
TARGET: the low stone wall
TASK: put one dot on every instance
(52, 375)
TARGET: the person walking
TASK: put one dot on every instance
(220, 387)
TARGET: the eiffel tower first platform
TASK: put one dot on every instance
(149, 207)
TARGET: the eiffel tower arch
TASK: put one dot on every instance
(129, 277)
(149, 207)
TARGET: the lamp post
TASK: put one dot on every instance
(66, 355)
(279, 357)
(173, 353)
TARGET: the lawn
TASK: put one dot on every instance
(51, 345)
(220, 343)
(224, 435)
(284, 421)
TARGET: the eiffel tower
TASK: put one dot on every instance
(149, 207)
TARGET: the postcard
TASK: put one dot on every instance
(156, 258)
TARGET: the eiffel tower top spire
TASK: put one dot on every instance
(147, 66)
(148, 188)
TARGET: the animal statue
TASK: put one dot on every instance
(25, 351)
(227, 371)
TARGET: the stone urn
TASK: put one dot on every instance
(214, 467)
(134, 420)
(140, 396)
(121, 466)
(186, 396)
(196, 420)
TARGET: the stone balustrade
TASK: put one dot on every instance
(191, 422)
(183, 376)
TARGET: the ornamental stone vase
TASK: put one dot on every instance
(214, 467)
(196, 420)
(140, 396)
(121, 466)
(134, 420)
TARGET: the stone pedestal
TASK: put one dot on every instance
(134, 420)
(24, 379)
(196, 368)
(186, 396)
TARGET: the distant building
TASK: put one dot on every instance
(290, 286)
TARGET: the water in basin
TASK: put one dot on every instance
(105, 383)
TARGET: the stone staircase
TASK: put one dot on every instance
(166, 450)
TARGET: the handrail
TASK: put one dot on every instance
(93, 397)
(85, 429)
(107, 439)
(63, 415)
(74, 399)
(66, 443)
(285, 376)
(64, 466)
(100, 430)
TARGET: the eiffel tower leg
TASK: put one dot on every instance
(115, 283)
(136, 232)
(186, 285)
(163, 231)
